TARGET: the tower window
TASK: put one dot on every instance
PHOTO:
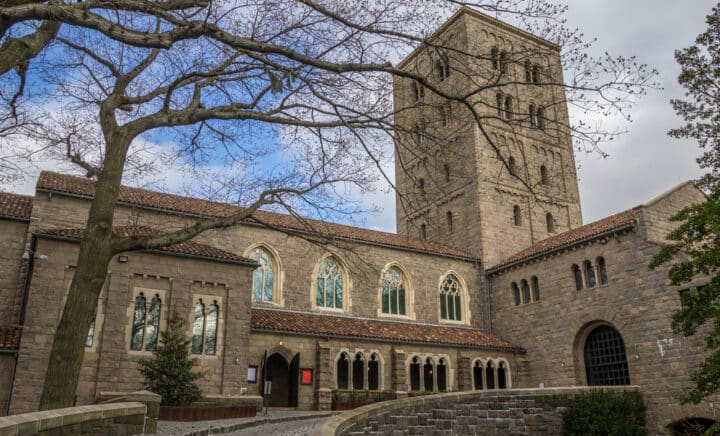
(535, 288)
(445, 113)
(495, 58)
(500, 102)
(541, 118)
(421, 185)
(528, 72)
(543, 175)
(512, 166)
(602, 273)
(525, 291)
(517, 215)
(503, 61)
(449, 219)
(589, 274)
(533, 116)
(419, 92)
(508, 107)
(446, 170)
(423, 231)
(577, 274)
(536, 74)
(550, 221)
(442, 68)
(516, 293)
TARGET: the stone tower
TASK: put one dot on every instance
(495, 188)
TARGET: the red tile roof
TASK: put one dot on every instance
(579, 234)
(10, 336)
(62, 183)
(14, 206)
(394, 331)
(186, 248)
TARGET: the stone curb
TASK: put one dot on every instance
(255, 423)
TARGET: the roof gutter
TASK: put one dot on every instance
(501, 268)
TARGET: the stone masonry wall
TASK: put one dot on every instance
(12, 241)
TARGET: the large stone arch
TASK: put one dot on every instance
(579, 342)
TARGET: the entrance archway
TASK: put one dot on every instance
(691, 427)
(605, 357)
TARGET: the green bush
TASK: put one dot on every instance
(169, 372)
(604, 413)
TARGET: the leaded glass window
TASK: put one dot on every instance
(146, 323)
(198, 327)
(138, 325)
(329, 290)
(393, 292)
(450, 299)
(153, 324)
(263, 276)
(211, 329)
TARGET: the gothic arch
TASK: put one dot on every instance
(409, 291)
(464, 298)
(347, 282)
(278, 273)
(283, 351)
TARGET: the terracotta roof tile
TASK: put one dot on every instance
(588, 231)
(14, 206)
(394, 331)
(10, 336)
(142, 197)
(186, 248)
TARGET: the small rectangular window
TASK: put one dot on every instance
(684, 296)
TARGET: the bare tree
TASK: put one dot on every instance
(316, 74)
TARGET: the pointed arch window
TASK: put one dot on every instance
(442, 68)
(490, 375)
(517, 215)
(373, 373)
(342, 371)
(442, 381)
(198, 327)
(146, 323)
(478, 375)
(263, 276)
(535, 288)
(329, 287)
(602, 273)
(550, 222)
(204, 332)
(393, 292)
(516, 293)
(450, 299)
(577, 274)
(358, 372)
(525, 291)
(589, 274)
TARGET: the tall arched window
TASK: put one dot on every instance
(478, 375)
(605, 358)
(358, 372)
(528, 72)
(329, 289)
(152, 327)
(577, 274)
(211, 324)
(541, 118)
(517, 215)
(442, 68)
(421, 185)
(428, 375)
(415, 374)
(502, 376)
(449, 219)
(495, 58)
(263, 276)
(198, 331)
(536, 74)
(503, 61)
(419, 92)
(535, 288)
(441, 375)
(525, 291)
(393, 292)
(423, 231)
(601, 270)
(589, 274)
(342, 371)
(446, 170)
(533, 115)
(138, 325)
(516, 293)
(543, 175)
(508, 107)
(490, 375)
(512, 166)
(450, 299)
(550, 222)
(373, 373)
(500, 101)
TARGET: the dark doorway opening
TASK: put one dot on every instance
(277, 373)
(294, 380)
(478, 375)
(692, 427)
(415, 375)
(605, 358)
(428, 375)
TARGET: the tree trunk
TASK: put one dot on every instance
(96, 251)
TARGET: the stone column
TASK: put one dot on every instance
(464, 374)
(236, 345)
(398, 375)
(323, 379)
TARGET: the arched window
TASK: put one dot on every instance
(450, 299)
(393, 292)
(442, 68)
(517, 215)
(525, 291)
(508, 107)
(446, 170)
(589, 274)
(541, 118)
(605, 358)
(211, 324)
(428, 375)
(449, 219)
(577, 274)
(512, 166)
(263, 276)
(550, 222)
(419, 92)
(358, 372)
(503, 61)
(421, 185)
(533, 115)
(478, 375)
(138, 325)
(502, 376)
(329, 289)
(601, 270)
(342, 371)
(415, 374)
(536, 74)
(495, 58)
(373, 373)
(198, 331)
(152, 326)
(442, 376)
(500, 101)
(543, 175)
(516, 293)
(490, 375)
(535, 288)
(423, 231)
(528, 72)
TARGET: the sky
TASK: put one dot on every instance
(642, 163)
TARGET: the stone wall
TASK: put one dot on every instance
(12, 241)
(515, 412)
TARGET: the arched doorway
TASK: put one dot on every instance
(277, 374)
(691, 426)
(605, 357)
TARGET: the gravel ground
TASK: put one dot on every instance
(291, 428)
(175, 428)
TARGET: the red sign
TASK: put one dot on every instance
(306, 376)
